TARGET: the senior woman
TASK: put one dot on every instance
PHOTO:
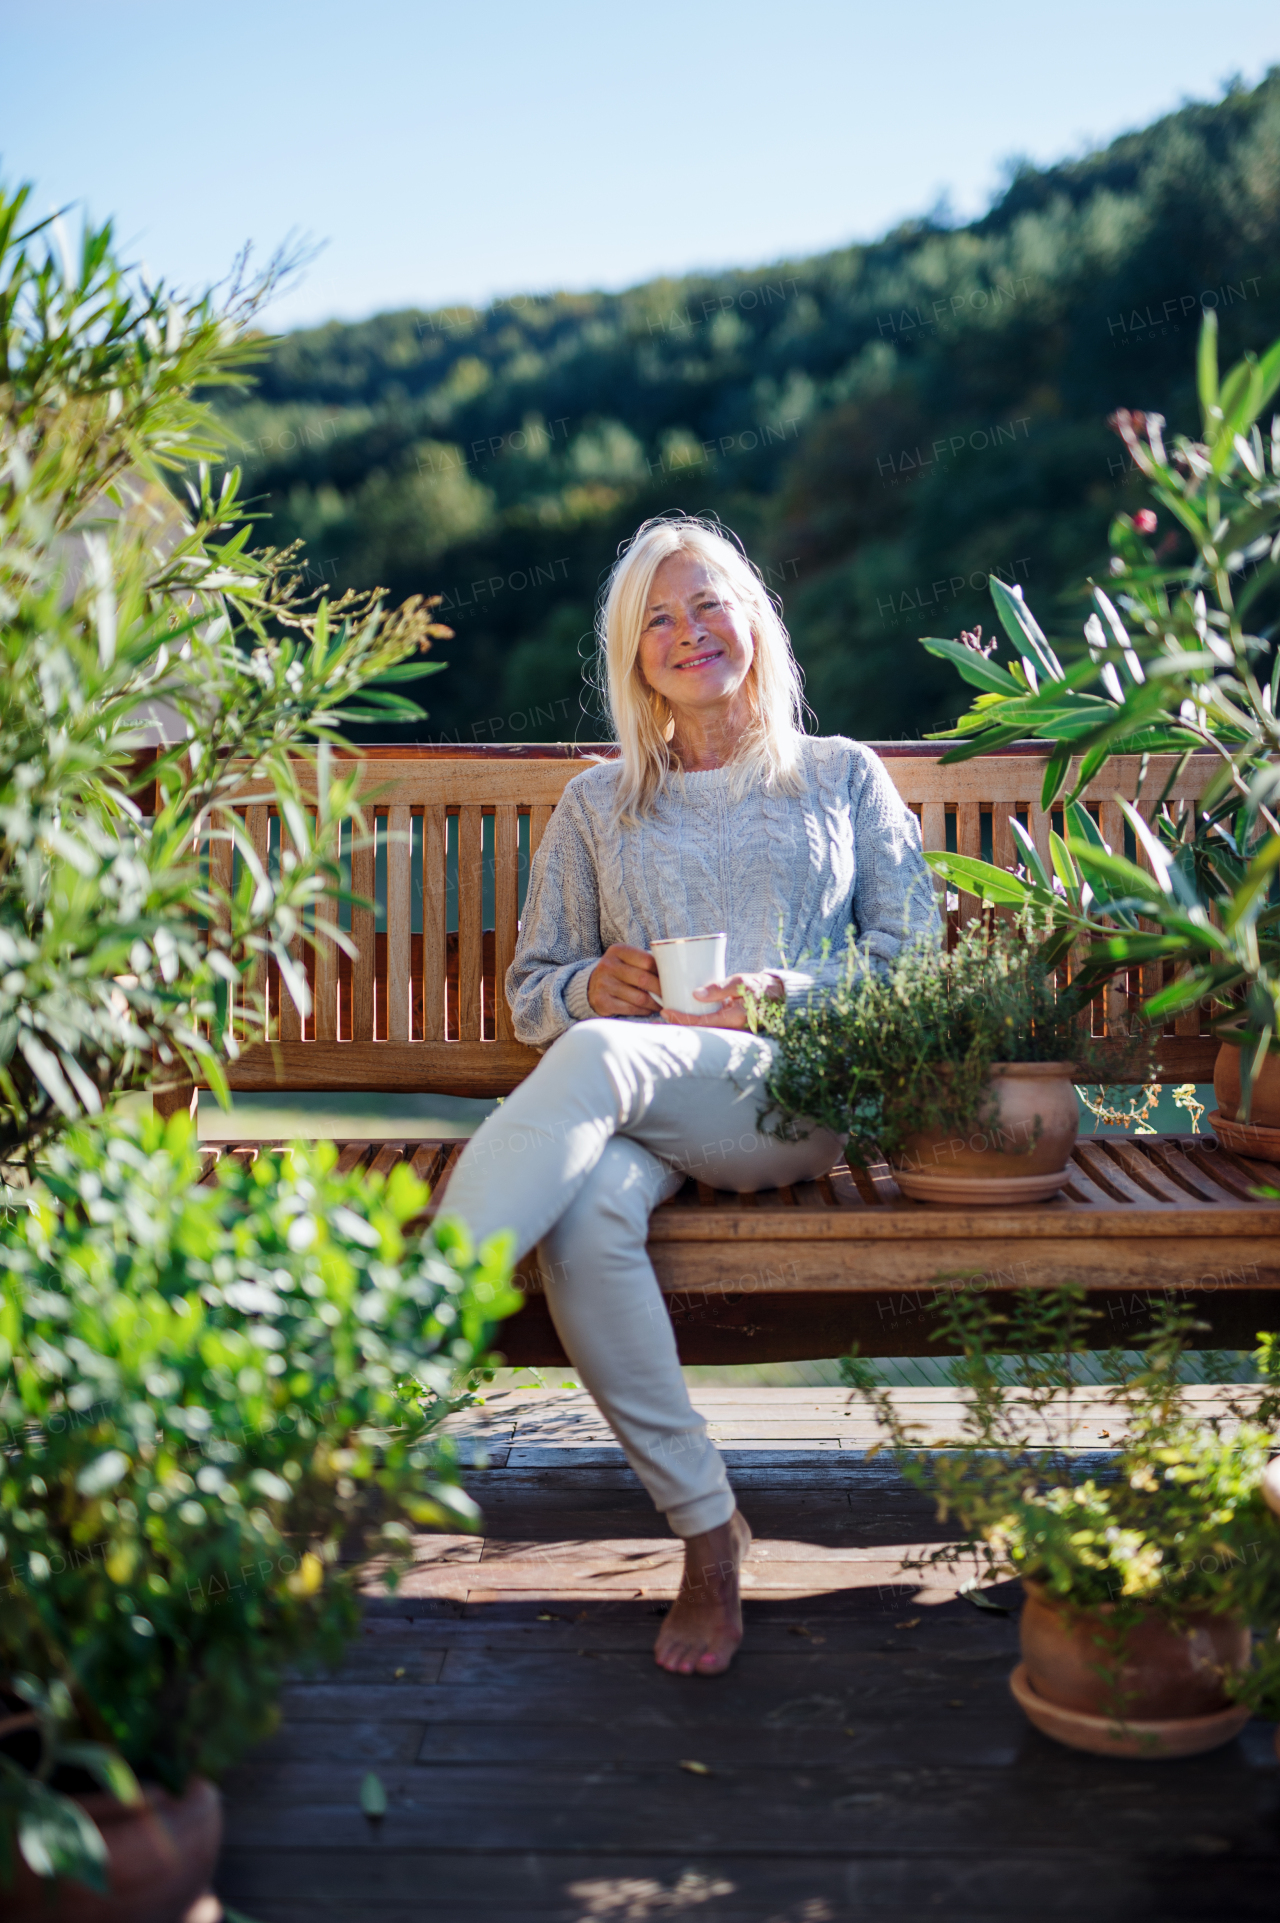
(717, 814)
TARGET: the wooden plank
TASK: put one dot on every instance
(291, 1019)
(1187, 1024)
(1111, 825)
(470, 922)
(969, 842)
(1010, 779)
(1181, 1169)
(315, 1805)
(363, 923)
(883, 1882)
(854, 1265)
(434, 898)
(1148, 1176)
(1179, 1058)
(258, 825)
(446, 1068)
(1039, 825)
(221, 852)
(1116, 995)
(933, 827)
(399, 922)
(538, 819)
(916, 771)
(1005, 851)
(425, 1160)
(464, 782)
(326, 972)
(506, 895)
(386, 1158)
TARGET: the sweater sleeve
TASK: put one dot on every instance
(560, 941)
(894, 901)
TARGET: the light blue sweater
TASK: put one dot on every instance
(781, 875)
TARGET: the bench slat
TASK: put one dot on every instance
(470, 931)
(399, 922)
(326, 972)
(258, 825)
(1112, 1180)
(538, 819)
(435, 872)
(363, 871)
(506, 909)
(291, 1021)
(969, 842)
(1146, 1173)
(385, 1160)
(443, 1068)
(1004, 851)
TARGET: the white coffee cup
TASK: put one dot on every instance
(687, 962)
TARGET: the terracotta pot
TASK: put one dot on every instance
(1259, 1137)
(1162, 1692)
(160, 1863)
(1019, 1152)
(1264, 1109)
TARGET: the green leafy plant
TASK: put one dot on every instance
(218, 1399)
(134, 908)
(216, 1396)
(1174, 659)
(909, 1046)
(1173, 1520)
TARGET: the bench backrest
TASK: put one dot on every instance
(421, 1008)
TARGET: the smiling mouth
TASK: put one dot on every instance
(700, 660)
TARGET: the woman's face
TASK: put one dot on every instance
(696, 647)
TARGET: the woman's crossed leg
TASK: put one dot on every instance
(606, 1127)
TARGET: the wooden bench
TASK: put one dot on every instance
(787, 1274)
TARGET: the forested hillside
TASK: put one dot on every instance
(884, 426)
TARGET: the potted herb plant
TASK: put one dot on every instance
(198, 1420)
(1144, 1572)
(957, 1068)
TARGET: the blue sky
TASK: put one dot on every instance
(457, 152)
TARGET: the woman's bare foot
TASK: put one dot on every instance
(703, 1626)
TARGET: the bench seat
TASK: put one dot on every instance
(799, 1273)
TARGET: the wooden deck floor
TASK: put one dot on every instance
(864, 1758)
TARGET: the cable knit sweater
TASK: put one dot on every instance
(782, 875)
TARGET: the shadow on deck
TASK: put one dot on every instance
(863, 1758)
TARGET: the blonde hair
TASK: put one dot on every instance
(641, 718)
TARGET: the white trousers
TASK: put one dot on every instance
(613, 1118)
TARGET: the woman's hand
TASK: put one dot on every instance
(731, 1012)
(624, 982)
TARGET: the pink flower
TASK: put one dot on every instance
(1145, 521)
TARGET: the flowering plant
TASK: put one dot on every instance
(1176, 657)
